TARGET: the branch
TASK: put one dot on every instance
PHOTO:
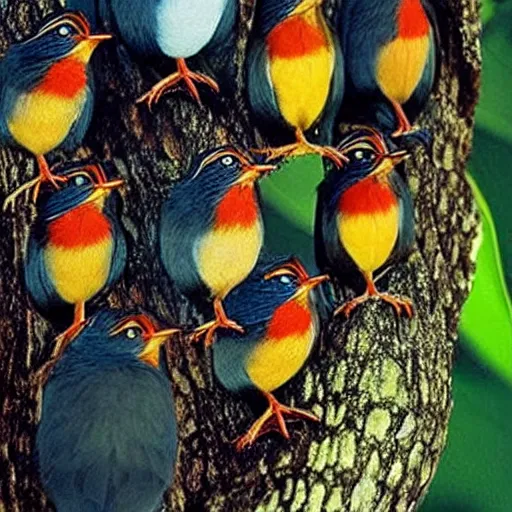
(381, 386)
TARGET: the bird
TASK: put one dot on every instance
(46, 92)
(276, 307)
(107, 438)
(391, 60)
(365, 216)
(211, 230)
(295, 77)
(176, 29)
(76, 246)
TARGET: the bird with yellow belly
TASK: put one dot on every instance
(211, 230)
(390, 49)
(46, 97)
(294, 76)
(276, 308)
(365, 217)
(76, 248)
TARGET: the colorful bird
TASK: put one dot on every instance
(365, 216)
(211, 230)
(107, 438)
(295, 77)
(177, 29)
(281, 324)
(46, 99)
(390, 59)
(76, 248)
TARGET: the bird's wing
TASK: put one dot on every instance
(180, 227)
(326, 123)
(230, 352)
(218, 56)
(37, 281)
(405, 239)
(259, 86)
(94, 425)
(119, 253)
(80, 126)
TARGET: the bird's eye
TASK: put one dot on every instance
(285, 280)
(64, 30)
(227, 161)
(80, 181)
(133, 333)
(362, 155)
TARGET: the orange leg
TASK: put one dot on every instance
(62, 341)
(182, 74)
(404, 126)
(221, 321)
(272, 419)
(303, 147)
(398, 303)
(45, 174)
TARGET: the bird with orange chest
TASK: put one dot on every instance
(211, 230)
(391, 51)
(365, 216)
(46, 96)
(294, 74)
(275, 305)
(76, 248)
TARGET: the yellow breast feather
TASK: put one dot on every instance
(400, 66)
(40, 122)
(273, 363)
(226, 256)
(369, 238)
(79, 273)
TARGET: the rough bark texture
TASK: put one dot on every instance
(381, 386)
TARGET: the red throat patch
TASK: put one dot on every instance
(412, 20)
(290, 319)
(295, 37)
(83, 226)
(367, 196)
(65, 78)
(239, 207)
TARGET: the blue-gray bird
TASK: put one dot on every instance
(275, 304)
(391, 59)
(211, 229)
(46, 96)
(177, 29)
(107, 438)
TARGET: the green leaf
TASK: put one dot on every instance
(292, 190)
(494, 112)
(487, 10)
(486, 322)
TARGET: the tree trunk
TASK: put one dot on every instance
(381, 386)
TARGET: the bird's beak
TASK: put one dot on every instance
(388, 163)
(86, 46)
(103, 189)
(311, 283)
(253, 172)
(151, 352)
(305, 5)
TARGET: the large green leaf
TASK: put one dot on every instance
(486, 322)
(474, 474)
(495, 110)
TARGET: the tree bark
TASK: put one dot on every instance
(381, 386)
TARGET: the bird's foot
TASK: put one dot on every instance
(273, 419)
(404, 131)
(301, 148)
(182, 75)
(209, 329)
(400, 305)
(62, 341)
(34, 184)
